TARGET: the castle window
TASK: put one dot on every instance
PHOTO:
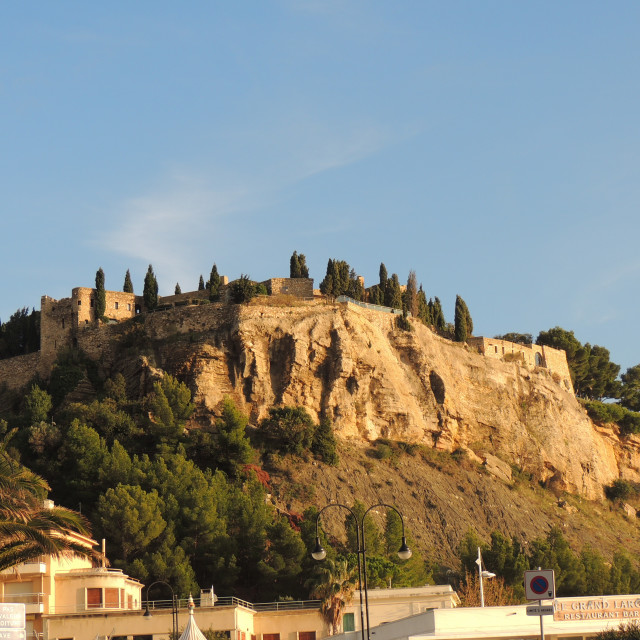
(63, 323)
(496, 348)
(92, 303)
(116, 305)
(79, 303)
(128, 306)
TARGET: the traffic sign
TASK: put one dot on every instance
(539, 584)
(12, 616)
(540, 611)
(13, 634)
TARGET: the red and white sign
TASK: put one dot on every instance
(539, 584)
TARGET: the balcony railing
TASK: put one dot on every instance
(183, 604)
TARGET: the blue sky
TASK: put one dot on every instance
(493, 147)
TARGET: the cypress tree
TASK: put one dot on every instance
(423, 307)
(326, 286)
(150, 292)
(304, 270)
(410, 296)
(128, 285)
(393, 294)
(461, 330)
(213, 283)
(101, 296)
(294, 266)
(438, 315)
(201, 284)
(178, 290)
(384, 277)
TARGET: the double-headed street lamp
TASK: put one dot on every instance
(174, 607)
(318, 553)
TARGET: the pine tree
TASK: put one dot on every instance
(101, 296)
(150, 292)
(178, 290)
(201, 284)
(461, 330)
(128, 285)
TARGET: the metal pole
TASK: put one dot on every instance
(358, 550)
(364, 555)
(541, 623)
(479, 563)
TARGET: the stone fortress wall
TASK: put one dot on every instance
(532, 355)
(72, 323)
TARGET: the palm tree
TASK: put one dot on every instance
(29, 528)
(334, 584)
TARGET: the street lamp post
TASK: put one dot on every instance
(174, 607)
(482, 573)
(319, 553)
(404, 553)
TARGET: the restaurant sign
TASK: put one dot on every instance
(597, 608)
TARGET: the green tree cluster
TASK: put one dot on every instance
(20, 334)
(576, 574)
(244, 289)
(341, 280)
(594, 376)
(291, 430)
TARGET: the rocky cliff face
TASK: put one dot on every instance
(375, 380)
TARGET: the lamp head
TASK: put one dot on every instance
(318, 552)
(404, 553)
(488, 574)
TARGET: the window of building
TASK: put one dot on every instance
(242, 635)
(307, 635)
(79, 303)
(112, 598)
(94, 598)
(63, 323)
(496, 348)
(129, 602)
(128, 306)
(116, 305)
(91, 304)
(348, 622)
(270, 636)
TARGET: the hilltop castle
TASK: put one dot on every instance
(61, 320)
(72, 322)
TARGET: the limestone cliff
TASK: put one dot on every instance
(375, 380)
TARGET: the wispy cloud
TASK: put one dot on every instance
(161, 225)
(166, 224)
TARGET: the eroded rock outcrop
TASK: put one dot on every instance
(374, 380)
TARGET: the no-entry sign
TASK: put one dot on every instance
(539, 584)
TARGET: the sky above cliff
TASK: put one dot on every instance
(493, 147)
